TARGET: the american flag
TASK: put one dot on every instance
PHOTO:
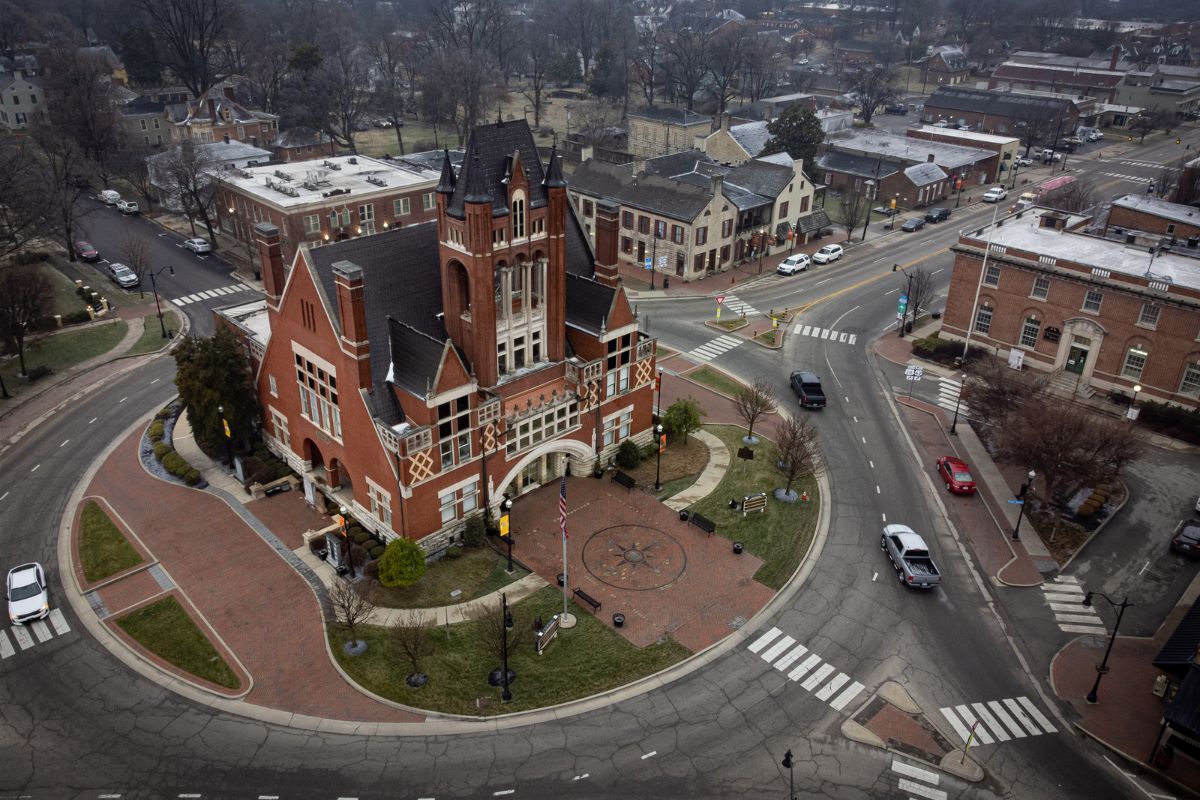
(562, 506)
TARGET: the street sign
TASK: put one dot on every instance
(720, 299)
(914, 373)
(225, 422)
(649, 263)
(903, 304)
(1016, 502)
(504, 525)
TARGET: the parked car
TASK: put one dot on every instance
(127, 207)
(1047, 155)
(898, 108)
(110, 197)
(123, 276)
(937, 214)
(1186, 540)
(941, 123)
(802, 62)
(1073, 140)
(912, 225)
(793, 264)
(1022, 161)
(807, 387)
(910, 557)
(828, 253)
(197, 245)
(1095, 136)
(995, 194)
(955, 473)
(27, 593)
(86, 252)
(885, 210)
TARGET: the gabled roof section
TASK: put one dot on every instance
(859, 166)
(494, 145)
(670, 198)
(588, 303)
(751, 137)
(925, 174)
(415, 358)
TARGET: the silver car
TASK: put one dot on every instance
(197, 245)
(123, 276)
(27, 594)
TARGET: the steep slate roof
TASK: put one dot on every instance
(859, 166)
(1002, 104)
(661, 195)
(925, 174)
(588, 303)
(415, 357)
(495, 145)
(753, 136)
(675, 163)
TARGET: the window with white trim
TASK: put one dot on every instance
(534, 429)
(428, 201)
(991, 276)
(1041, 288)
(983, 320)
(518, 216)
(1135, 362)
(280, 427)
(457, 503)
(454, 431)
(1191, 379)
(312, 224)
(616, 379)
(1092, 301)
(448, 501)
(318, 397)
(380, 502)
(401, 207)
(1149, 316)
(618, 428)
(272, 387)
(1030, 329)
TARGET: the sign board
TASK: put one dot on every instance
(504, 525)
(754, 502)
(720, 299)
(662, 443)
(649, 263)
(225, 423)
(914, 373)
(1132, 412)
(746, 453)
(543, 637)
(1016, 502)
(1016, 358)
(903, 304)
(662, 262)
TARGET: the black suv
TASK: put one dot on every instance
(937, 214)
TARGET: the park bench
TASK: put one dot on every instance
(587, 600)
(703, 523)
(624, 480)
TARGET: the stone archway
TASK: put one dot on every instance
(312, 454)
(1081, 338)
(575, 456)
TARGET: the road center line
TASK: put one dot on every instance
(64, 444)
(651, 754)
(123, 399)
(156, 380)
(35, 469)
(93, 419)
(893, 291)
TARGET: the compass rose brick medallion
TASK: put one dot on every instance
(634, 557)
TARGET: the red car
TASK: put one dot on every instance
(86, 252)
(956, 474)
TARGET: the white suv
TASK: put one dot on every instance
(995, 194)
(830, 252)
(793, 264)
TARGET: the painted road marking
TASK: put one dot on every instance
(828, 690)
(775, 650)
(785, 662)
(981, 732)
(763, 640)
(59, 622)
(813, 680)
(804, 667)
(845, 697)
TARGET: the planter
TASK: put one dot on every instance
(683, 516)
(737, 548)
(562, 580)
(618, 620)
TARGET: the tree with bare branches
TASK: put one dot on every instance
(25, 297)
(135, 252)
(352, 606)
(81, 87)
(24, 206)
(190, 34)
(920, 288)
(345, 82)
(1074, 197)
(186, 169)
(57, 161)
(490, 618)
(752, 403)
(410, 636)
(876, 86)
(996, 390)
(796, 453)
(687, 60)
(854, 207)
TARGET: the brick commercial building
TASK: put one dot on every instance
(1070, 80)
(1102, 314)
(1139, 213)
(1008, 147)
(328, 200)
(417, 374)
(1003, 113)
(661, 131)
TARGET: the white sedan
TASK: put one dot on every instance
(27, 594)
(793, 264)
(828, 253)
(197, 245)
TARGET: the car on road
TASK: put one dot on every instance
(828, 253)
(122, 275)
(793, 264)
(27, 593)
(910, 557)
(1094, 136)
(912, 225)
(1186, 539)
(86, 252)
(197, 245)
(937, 214)
(807, 387)
(995, 194)
(110, 198)
(957, 476)
(127, 207)
(1022, 161)
(802, 62)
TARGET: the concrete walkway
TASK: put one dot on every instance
(710, 478)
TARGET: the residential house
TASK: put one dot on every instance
(1141, 213)
(302, 143)
(660, 131)
(947, 66)
(420, 375)
(1102, 314)
(883, 180)
(217, 117)
(144, 117)
(315, 202)
(21, 99)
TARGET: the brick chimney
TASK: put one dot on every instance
(1112, 62)
(352, 311)
(270, 259)
(607, 224)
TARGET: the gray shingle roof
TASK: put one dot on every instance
(415, 357)
(925, 174)
(753, 136)
(588, 303)
(859, 166)
(1004, 104)
(299, 136)
(670, 198)
(495, 144)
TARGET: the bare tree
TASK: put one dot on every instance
(80, 85)
(764, 67)
(494, 631)
(1035, 129)
(796, 452)
(595, 123)
(190, 34)
(1148, 121)
(646, 70)
(752, 403)
(25, 297)
(410, 636)
(135, 250)
(1068, 445)
(687, 60)
(726, 61)
(854, 207)
(1074, 197)
(388, 52)
(131, 164)
(23, 207)
(996, 390)
(186, 169)
(876, 86)
(345, 82)
(55, 167)
(351, 607)
(919, 286)
(537, 64)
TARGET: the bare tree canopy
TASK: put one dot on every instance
(410, 636)
(752, 403)
(351, 606)
(875, 87)
(854, 207)
(58, 162)
(25, 297)
(24, 206)
(135, 250)
(796, 452)
(995, 390)
(186, 171)
(190, 34)
(1074, 197)
(919, 286)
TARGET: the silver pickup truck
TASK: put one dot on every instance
(910, 557)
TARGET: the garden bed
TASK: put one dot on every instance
(103, 549)
(771, 338)
(727, 325)
(166, 630)
(474, 571)
(714, 379)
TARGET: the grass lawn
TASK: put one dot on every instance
(102, 547)
(61, 350)
(767, 337)
(589, 658)
(151, 338)
(782, 534)
(715, 379)
(729, 324)
(477, 572)
(65, 300)
(166, 630)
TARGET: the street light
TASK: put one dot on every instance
(1137, 387)
(158, 307)
(1024, 495)
(957, 401)
(1015, 167)
(658, 432)
(1093, 696)
(508, 623)
(762, 246)
(506, 506)
(343, 511)
(787, 764)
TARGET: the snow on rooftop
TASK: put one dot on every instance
(253, 317)
(301, 183)
(967, 136)
(1159, 208)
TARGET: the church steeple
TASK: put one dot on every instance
(477, 191)
(554, 174)
(446, 181)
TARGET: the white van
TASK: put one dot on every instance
(110, 197)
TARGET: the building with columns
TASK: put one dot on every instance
(419, 374)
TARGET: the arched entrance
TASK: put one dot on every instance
(544, 464)
(1079, 348)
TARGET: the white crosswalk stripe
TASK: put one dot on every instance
(1064, 596)
(1151, 164)
(917, 781)
(33, 634)
(817, 332)
(208, 294)
(1124, 177)
(997, 721)
(718, 346)
(948, 392)
(739, 307)
(823, 680)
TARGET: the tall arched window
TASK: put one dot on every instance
(518, 216)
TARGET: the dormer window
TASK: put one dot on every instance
(518, 215)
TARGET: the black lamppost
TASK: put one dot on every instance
(1024, 495)
(957, 402)
(787, 764)
(762, 246)
(228, 437)
(506, 506)
(343, 511)
(506, 695)
(907, 302)
(1093, 696)
(658, 386)
(1015, 167)
(158, 307)
(658, 432)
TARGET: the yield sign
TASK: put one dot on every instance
(720, 299)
